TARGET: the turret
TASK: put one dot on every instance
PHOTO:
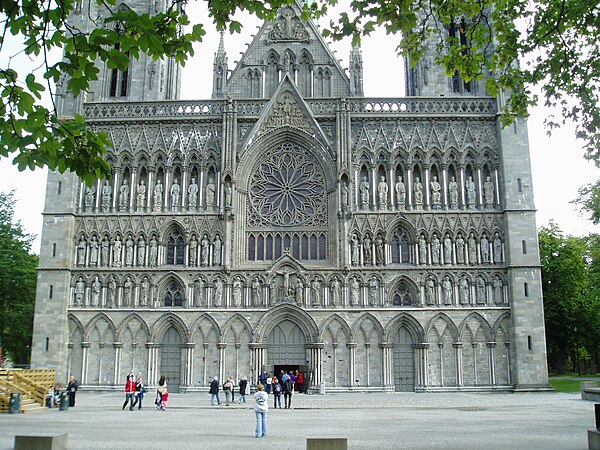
(220, 70)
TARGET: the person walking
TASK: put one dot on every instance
(72, 390)
(276, 393)
(261, 408)
(129, 392)
(140, 390)
(214, 391)
(161, 393)
(288, 390)
(243, 385)
(300, 381)
(227, 388)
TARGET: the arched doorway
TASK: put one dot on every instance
(404, 361)
(286, 347)
(171, 358)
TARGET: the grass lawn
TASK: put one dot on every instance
(569, 385)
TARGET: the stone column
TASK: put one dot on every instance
(237, 360)
(368, 361)
(461, 186)
(100, 361)
(508, 374)
(316, 362)
(204, 354)
(479, 187)
(150, 376)
(352, 363)
(441, 349)
(444, 183)
(184, 188)
(70, 356)
(221, 346)
(257, 360)
(427, 189)
(132, 189)
(150, 189)
(334, 345)
(459, 366)
(387, 363)
(117, 365)
(85, 346)
(189, 363)
(492, 357)
(408, 183)
(475, 345)
(115, 188)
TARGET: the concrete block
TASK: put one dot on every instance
(42, 441)
(594, 439)
(326, 443)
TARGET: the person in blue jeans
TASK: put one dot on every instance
(214, 391)
(261, 408)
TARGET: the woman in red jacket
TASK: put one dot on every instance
(129, 391)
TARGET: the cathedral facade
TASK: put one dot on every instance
(290, 222)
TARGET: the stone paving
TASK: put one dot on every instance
(369, 421)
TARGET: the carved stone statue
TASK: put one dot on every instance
(315, 288)
(299, 292)
(199, 293)
(175, 195)
(153, 259)
(141, 196)
(117, 245)
(488, 193)
(141, 251)
(355, 250)
(204, 251)
(79, 292)
(344, 194)
(447, 288)
(497, 248)
(193, 251)
(471, 193)
(436, 193)
(256, 293)
(124, 196)
(210, 195)
(129, 244)
(144, 292)
(382, 193)
(367, 250)
(335, 292)
(430, 291)
(106, 196)
(218, 300)
(460, 249)
(217, 246)
(447, 249)
(379, 250)
(96, 286)
(418, 191)
(453, 193)
(355, 292)
(364, 193)
(485, 249)
(472, 249)
(90, 197)
(237, 292)
(400, 193)
(112, 293)
(435, 249)
(463, 290)
(158, 194)
(192, 195)
(374, 292)
(94, 251)
(128, 293)
(104, 252)
(422, 250)
(498, 291)
(228, 195)
(480, 287)
(81, 251)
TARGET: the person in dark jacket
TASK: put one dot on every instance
(214, 391)
(140, 390)
(72, 390)
(243, 384)
(288, 390)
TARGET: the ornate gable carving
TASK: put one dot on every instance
(286, 112)
(288, 27)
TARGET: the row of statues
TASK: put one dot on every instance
(435, 192)
(142, 204)
(139, 253)
(471, 251)
(316, 293)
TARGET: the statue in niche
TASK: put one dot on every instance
(460, 249)
(192, 195)
(144, 292)
(237, 292)
(141, 251)
(79, 292)
(480, 287)
(128, 293)
(498, 294)
(210, 194)
(104, 252)
(96, 286)
(158, 194)
(94, 251)
(435, 249)
(335, 292)
(374, 292)
(112, 293)
(273, 291)
(228, 195)
(344, 195)
(153, 259)
(106, 196)
(287, 287)
(418, 191)
(379, 250)
(256, 294)
(193, 251)
(117, 245)
(124, 196)
(488, 193)
(217, 246)
(430, 291)
(141, 195)
(472, 249)
(175, 195)
(199, 292)
(453, 193)
(382, 192)
(367, 250)
(463, 290)
(497, 248)
(355, 292)
(436, 193)
(447, 249)
(471, 193)
(422, 250)
(129, 244)
(204, 250)
(90, 196)
(299, 292)
(364, 193)
(485, 249)
(400, 193)
(315, 288)
(218, 301)
(355, 250)
(81, 251)
(447, 288)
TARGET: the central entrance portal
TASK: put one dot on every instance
(286, 348)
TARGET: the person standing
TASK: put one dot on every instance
(72, 390)
(276, 393)
(300, 381)
(214, 391)
(269, 387)
(243, 384)
(227, 388)
(161, 393)
(288, 390)
(140, 390)
(129, 392)
(261, 408)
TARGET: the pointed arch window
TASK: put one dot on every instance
(400, 247)
(173, 296)
(119, 80)
(458, 31)
(176, 248)
(402, 296)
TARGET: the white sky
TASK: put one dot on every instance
(557, 161)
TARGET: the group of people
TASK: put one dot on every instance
(285, 384)
(229, 390)
(135, 390)
(54, 393)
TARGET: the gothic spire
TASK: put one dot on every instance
(356, 72)
(220, 69)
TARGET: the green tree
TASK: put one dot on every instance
(18, 277)
(565, 285)
(556, 40)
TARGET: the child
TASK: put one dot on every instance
(164, 401)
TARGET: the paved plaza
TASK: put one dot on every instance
(369, 421)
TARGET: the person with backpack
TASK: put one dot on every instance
(227, 388)
(261, 407)
(276, 393)
(288, 390)
(214, 391)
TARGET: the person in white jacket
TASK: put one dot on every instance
(261, 407)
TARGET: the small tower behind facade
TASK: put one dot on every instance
(220, 70)
(356, 72)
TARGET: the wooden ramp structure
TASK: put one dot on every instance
(32, 384)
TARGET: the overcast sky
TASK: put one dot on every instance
(558, 165)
